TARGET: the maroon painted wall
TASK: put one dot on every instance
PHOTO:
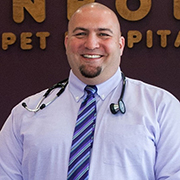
(25, 72)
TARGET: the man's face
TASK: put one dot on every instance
(94, 45)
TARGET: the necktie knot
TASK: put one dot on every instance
(91, 89)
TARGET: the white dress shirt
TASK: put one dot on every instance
(142, 144)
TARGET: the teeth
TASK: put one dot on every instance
(92, 56)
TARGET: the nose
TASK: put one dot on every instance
(92, 42)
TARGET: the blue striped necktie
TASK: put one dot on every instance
(83, 137)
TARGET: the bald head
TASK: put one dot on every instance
(91, 8)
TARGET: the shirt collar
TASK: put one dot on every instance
(106, 87)
(76, 86)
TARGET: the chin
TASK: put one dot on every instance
(90, 73)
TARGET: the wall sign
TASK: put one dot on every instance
(37, 10)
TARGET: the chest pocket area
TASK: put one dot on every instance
(123, 145)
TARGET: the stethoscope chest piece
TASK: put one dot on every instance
(118, 107)
(122, 107)
(114, 108)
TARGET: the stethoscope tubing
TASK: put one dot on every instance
(114, 108)
(42, 105)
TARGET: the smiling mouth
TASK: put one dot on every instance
(92, 56)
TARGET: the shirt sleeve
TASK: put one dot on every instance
(167, 165)
(10, 152)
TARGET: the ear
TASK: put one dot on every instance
(66, 40)
(121, 44)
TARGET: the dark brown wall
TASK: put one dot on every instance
(25, 72)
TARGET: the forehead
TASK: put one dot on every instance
(93, 18)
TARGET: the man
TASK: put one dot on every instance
(141, 144)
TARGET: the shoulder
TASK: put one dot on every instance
(149, 92)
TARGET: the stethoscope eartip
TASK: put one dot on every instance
(24, 104)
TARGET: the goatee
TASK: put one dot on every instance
(90, 72)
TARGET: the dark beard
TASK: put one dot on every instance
(90, 74)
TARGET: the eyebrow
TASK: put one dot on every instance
(99, 29)
(79, 28)
(105, 29)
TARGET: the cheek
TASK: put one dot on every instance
(114, 53)
(75, 45)
(112, 49)
(72, 54)
(70, 48)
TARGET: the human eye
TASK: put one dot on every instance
(80, 34)
(104, 34)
